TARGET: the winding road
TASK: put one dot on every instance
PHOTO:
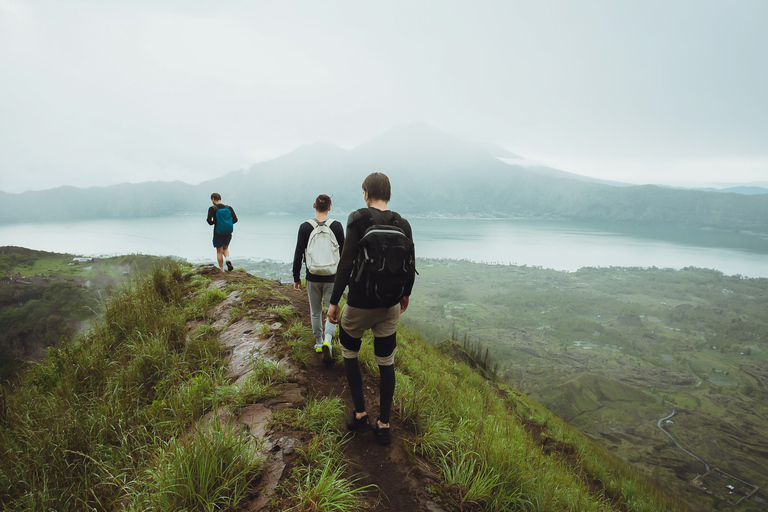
(658, 424)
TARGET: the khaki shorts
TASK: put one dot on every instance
(382, 321)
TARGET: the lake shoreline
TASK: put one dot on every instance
(558, 245)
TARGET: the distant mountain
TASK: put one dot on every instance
(497, 151)
(743, 190)
(418, 144)
(147, 199)
(740, 190)
(288, 183)
(426, 167)
(557, 173)
(432, 173)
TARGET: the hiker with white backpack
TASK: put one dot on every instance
(318, 245)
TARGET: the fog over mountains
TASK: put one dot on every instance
(432, 173)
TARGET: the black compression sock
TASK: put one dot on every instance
(386, 391)
(355, 381)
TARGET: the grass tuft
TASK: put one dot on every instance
(300, 341)
(212, 469)
(285, 312)
(321, 416)
(319, 481)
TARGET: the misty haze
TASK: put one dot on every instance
(587, 185)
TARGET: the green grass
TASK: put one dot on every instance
(323, 416)
(652, 329)
(468, 478)
(300, 341)
(258, 385)
(68, 297)
(80, 430)
(29, 262)
(259, 292)
(474, 435)
(109, 422)
(285, 312)
(320, 482)
(211, 469)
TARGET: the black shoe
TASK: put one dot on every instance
(229, 266)
(381, 434)
(356, 424)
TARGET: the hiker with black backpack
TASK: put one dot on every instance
(223, 219)
(378, 264)
(319, 244)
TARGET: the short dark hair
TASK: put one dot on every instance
(216, 196)
(323, 203)
(377, 186)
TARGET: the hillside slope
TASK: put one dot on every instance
(44, 297)
(192, 358)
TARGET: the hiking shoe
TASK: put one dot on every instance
(356, 424)
(327, 352)
(230, 267)
(318, 347)
(381, 434)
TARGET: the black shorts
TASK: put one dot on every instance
(221, 242)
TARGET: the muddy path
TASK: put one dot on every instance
(399, 477)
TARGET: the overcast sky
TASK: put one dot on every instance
(98, 92)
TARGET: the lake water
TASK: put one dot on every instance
(557, 245)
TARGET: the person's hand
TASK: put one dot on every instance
(297, 286)
(333, 313)
(404, 304)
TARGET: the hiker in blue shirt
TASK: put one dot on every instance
(222, 218)
(319, 244)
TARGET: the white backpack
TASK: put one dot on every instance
(322, 254)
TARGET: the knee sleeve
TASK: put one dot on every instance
(384, 349)
(350, 346)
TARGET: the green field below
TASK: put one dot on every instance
(613, 350)
(46, 297)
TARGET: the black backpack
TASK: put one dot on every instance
(385, 261)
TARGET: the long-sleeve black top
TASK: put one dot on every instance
(212, 218)
(355, 231)
(305, 229)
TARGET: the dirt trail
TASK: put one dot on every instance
(400, 479)
(401, 484)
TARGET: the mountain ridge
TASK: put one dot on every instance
(430, 171)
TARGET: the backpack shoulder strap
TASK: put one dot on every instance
(364, 216)
(313, 223)
(387, 217)
(395, 220)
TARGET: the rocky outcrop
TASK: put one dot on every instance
(244, 340)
